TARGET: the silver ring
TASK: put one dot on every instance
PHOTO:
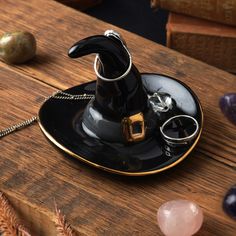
(109, 33)
(114, 34)
(179, 141)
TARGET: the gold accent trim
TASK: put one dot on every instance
(128, 127)
(118, 171)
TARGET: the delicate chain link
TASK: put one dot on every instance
(57, 95)
(18, 126)
(68, 96)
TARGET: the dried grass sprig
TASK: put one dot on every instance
(62, 226)
(9, 223)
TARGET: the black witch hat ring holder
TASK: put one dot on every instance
(127, 125)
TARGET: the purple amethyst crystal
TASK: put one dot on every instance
(229, 203)
(228, 106)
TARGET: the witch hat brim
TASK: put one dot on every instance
(57, 121)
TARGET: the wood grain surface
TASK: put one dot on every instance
(34, 173)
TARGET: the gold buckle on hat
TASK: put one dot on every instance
(129, 124)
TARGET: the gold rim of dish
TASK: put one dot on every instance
(141, 173)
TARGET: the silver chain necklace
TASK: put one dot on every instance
(57, 95)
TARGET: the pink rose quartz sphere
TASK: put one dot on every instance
(179, 218)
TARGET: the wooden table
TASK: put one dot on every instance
(33, 173)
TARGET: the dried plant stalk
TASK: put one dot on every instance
(9, 224)
(62, 226)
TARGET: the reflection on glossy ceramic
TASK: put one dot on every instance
(61, 122)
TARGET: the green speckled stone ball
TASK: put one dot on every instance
(17, 47)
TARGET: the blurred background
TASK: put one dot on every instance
(203, 30)
(133, 15)
(136, 16)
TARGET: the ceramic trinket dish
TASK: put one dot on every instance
(135, 124)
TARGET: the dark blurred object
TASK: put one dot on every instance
(210, 42)
(135, 16)
(80, 4)
(229, 203)
(228, 107)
